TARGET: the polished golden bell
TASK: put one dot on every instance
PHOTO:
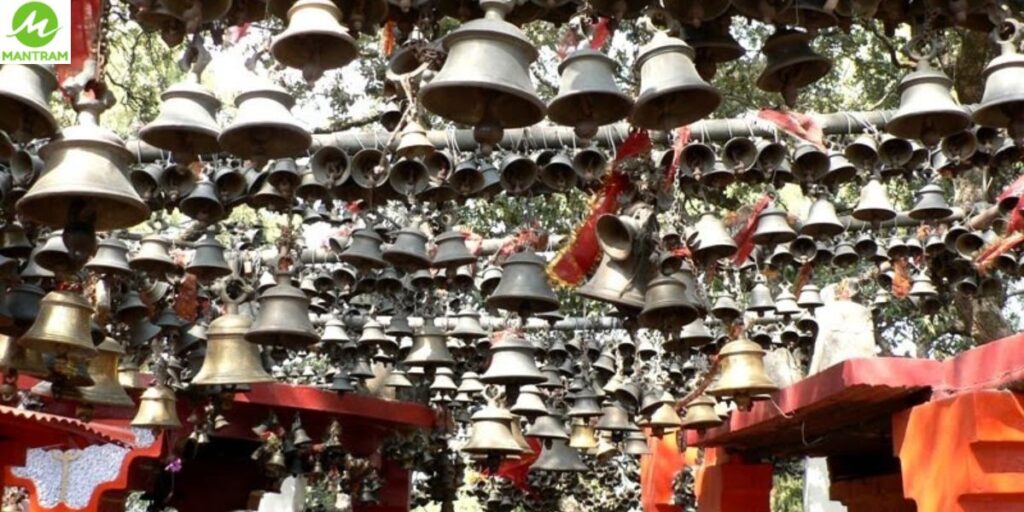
(492, 433)
(62, 327)
(742, 377)
(700, 414)
(230, 359)
(106, 388)
(583, 435)
(13, 356)
(157, 409)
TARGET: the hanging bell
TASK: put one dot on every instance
(451, 251)
(491, 434)
(840, 170)
(863, 152)
(874, 205)
(105, 389)
(512, 363)
(712, 241)
(230, 359)
(672, 93)
(822, 221)
(809, 162)
(773, 227)
(467, 326)
(62, 327)
(700, 414)
(467, 178)
(1002, 105)
(844, 255)
(314, 40)
(157, 409)
(588, 97)
(84, 188)
(792, 64)
(618, 234)
(25, 101)
(408, 177)
(485, 81)
(264, 127)
(53, 256)
(409, 252)
(922, 287)
(590, 165)
(616, 283)
(364, 251)
(670, 301)
(429, 349)
(530, 404)
(524, 286)
(738, 154)
(187, 124)
(548, 426)
(13, 242)
(810, 297)
(726, 309)
(283, 318)
(615, 419)
(583, 436)
(208, 261)
(518, 173)
(636, 444)
(558, 173)
(153, 257)
(927, 110)
(742, 377)
(111, 258)
(760, 301)
(203, 203)
(559, 457)
(931, 204)
(694, 334)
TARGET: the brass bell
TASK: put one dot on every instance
(739, 153)
(314, 40)
(14, 242)
(62, 327)
(617, 234)
(809, 162)
(700, 414)
(157, 409)
(25, 101)
(530, 404)
(773, 227)
(588, 97)
(54, 256)
(840, 170)
(153, 257)
(187, 124)
(760, 301)
(711, 241)
(408, 177)
(695, 334)
(264, 127)
(208, 261)
(865, 245)
(810, 297)
(512, 363)
(590, 165)
(111, 258)
(229, 183)
(636, 444)
(84, 187)
(442, 384)
(616, 283)
(485, 81)
(742, 377)
(672, 93)
(863, 152)
(558, 173)
(203, 203)
(844, 256)
(927, 110)
(429, 349)
(518, 173)
(874, 204)
(792, 64)
(931, 204)
(718, 176)
(106, 388)
(583, 435)
(670, 302)
(467, 178)
(451, 251)
(409, 252)
(615, 419)
(922, 287)
(822, 221)
(524, 286)
(283, 318)
(364, 251)
(959, 147)
(467, 326)
(585, 405)
(1001, 105)
(230, 359)
(491, 434)
(558, 457)
(548, 426)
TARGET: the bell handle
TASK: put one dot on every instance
(234, 292)
(1007, 34)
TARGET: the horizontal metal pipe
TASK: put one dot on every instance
(597, 323)
(902, 220)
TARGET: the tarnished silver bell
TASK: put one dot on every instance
(84, 186)
(588, 97)
(283, 318)
(187, 124)
(314, 41)
(485, 81)
(927, 110)
(760, 301)
(264, 127)
(931, 204)
(25, 91)
(773, 227)
(822, 221)
(874, 204)
(672, 93)
(1002, 105)
(524, 286)
(792, 64)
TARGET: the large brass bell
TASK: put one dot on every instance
(62, 327)
(931, 204)
(588, 97)
(927, 110)
(230, 359)
(512, 363)
(485, 81)
(874, 205)
(742, 377)
(792, 64)
(314, 40)
(672, 93)
(106, 388)
(264, 127)
(84, 187)
(187, 124)
(429, 349)
(157, 409)
(773, 227)
(25, 91)
(1002, 105)
(616, 283)
(559, 457)
(524, 286)
(364, 251)
(283, 318)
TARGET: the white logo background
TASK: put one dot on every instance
(60, 43)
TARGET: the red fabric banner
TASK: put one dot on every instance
(85, 25)
(744, 244)
(801, 126)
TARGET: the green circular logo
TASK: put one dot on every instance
(35, 24)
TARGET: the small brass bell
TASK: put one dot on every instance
(364, 251)
(157, 409)
(264, 128)
(874, 204)
(617, 234)
(559, 457)
(773, 227)
(25, 101)
(530, 404)
(588, 97)
(409, 252)
(739, 153)
(485, 81)
(468, 178)
(558, 173)
(822, 221)
(62, 327)
(524, 286)
(700, 414)
(467, 326)
(53, 256)
(761, 301)
(590, 165)
(518, 174)
(742, 377)
(809, 162)
(451, 251)
(111, 258)
(583, 436)
(927, 110)
(810, 297)
(713, 242)
(408, 177)
(636, 444)
(670, 302)
(672, 93)
(792, 64)
(208, 261)
(840, 170)
(931, 204)
(187, 124)
(314, 40)
(283, 318)
(491, 434)
(548, 426)
(14, 242)
(844, 256)
(615, 419)
(230, 359)
(153, 257)
(429, 348)
(863, 152)
(512, 363)
(203, 203)
(922, 287)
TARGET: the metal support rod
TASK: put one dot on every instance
(555, 137)
(902, 220)
(600, 323)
